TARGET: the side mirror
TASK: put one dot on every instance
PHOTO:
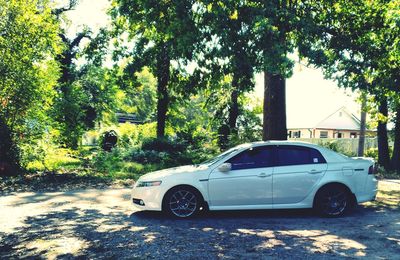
(225, 167)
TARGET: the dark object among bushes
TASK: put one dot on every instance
(109, 140)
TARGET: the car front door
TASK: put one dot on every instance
(249, 182)
(298, 170)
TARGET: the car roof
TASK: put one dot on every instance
(283, 142)
(329, 155)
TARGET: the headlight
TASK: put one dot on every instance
(148, 183)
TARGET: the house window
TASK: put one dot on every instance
(323, 134)
(290, 134)
(297, 134)
(339, 135)
(353, 135)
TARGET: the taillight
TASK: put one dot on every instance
(371, 169)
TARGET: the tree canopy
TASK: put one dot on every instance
(28, 71)
(188, 66)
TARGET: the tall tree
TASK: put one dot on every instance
(163, 33)
(265, 33)
(353, 43)
(85, 91)
(67, 110)
(227, 51)
(276, 25)
(28, 44)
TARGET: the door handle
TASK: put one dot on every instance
(314, 172)
(263, 175)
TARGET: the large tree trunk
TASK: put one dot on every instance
(9, 157)
(361, 140)
(383, 145)
(396, 147)
(274, 119)
(162, 90)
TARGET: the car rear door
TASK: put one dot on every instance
(249, 182)
(298, 170)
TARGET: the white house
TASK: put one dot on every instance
(340, 124)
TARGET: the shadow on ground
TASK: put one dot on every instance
(92, 233)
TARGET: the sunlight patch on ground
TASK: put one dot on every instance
(270, 243)
(137, 229)
(388, 195)
(16, 209)
(150, 237)
(323, 242)
(110, 228)
(54, 247)
(271, 240)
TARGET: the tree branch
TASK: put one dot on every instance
(72, 4)
(75, 42)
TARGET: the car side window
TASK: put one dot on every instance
(256, 157)
(298, 155)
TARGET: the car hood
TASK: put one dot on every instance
(157, 175)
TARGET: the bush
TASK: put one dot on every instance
(335, 146)
(163, 145)
(373, 153)
(108, 162)
(116, 165)
(139, 152)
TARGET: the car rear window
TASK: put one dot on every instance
(297, 155)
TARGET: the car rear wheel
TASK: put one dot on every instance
(182, 202)
(332, 201)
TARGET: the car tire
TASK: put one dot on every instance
(332, 201)
(182, 202)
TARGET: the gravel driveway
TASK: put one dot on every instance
(98, 223)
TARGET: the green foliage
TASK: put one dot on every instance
(187, 64)
(164, 34)
(168, 153)
(87, 91)
(356, 43)
(28, 43)
(115, 165)
(141, 99)
(53, 159)
(88, 98)
(372, 153)
(335, 146)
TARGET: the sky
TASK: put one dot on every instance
(309, 97)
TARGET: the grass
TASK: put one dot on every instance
(388, 196)
(382, 174)
(90, 162)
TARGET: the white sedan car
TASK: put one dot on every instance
(261, 175)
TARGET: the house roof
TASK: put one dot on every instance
(340, 119)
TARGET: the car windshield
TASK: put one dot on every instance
(211, 161)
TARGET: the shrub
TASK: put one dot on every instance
(335, 146)
(108, 162)
(373, 153)
(163, 145)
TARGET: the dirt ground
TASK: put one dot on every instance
(101, 223)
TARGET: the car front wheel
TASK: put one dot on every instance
(332, 201)
(182, 202)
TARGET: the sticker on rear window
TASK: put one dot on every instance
(315, 160)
